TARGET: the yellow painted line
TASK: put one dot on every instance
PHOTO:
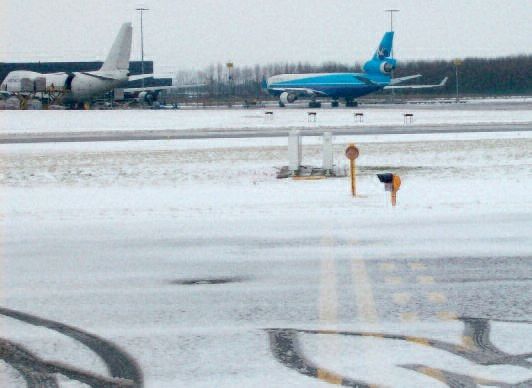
(408, 316)
(387, 267)
(363, 293)
(467, 342)
(401, 298)
(425, 279)
(436, 297)
(329, 377)
(393, 280)
(328, 307)
(328, 310)
(447, 315)
(434, 373)
(419, 341)
(417, 266)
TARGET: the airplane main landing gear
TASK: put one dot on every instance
(351, 103)
(314, 104)
(335, 104)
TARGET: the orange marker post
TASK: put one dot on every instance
(352, 152)
(396, 184)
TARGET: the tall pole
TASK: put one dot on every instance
(142, 42)
(391, 11)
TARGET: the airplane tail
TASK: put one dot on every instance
(385, 47)
(118, 57)
(382, 61)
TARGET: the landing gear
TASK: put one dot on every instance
(335, 104)
(349, 103)
(281, 105)
(313, 103)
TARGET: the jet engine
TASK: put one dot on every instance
(146, 98)
(287, 98)
(386, 67)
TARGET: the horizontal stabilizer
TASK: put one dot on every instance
(395, 81)
(441, 84)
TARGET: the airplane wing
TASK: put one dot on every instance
(300, 91)
(139, 76)
(441, 84)
(99, 76)
(159, 88)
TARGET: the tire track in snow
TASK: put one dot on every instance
(122, 367)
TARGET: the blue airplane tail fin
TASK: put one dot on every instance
(385, 47)
(382, 61)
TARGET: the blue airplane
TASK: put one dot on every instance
(377, 75)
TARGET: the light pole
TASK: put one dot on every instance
(142, 42)
(457, 62)
(392, 11)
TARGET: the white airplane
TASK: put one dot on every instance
(78, 88)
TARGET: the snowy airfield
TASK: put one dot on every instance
(187, 263)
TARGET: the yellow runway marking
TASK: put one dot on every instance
(420, 341)
(467, 342)
(401, 298)
(417, 266)
(363, 293)
(393, 280)
(328, 310)
(408, 317)
(387, 267)
(436, 297)
(329, 377)
(446, 315)
(434, 373)
(328, 295)
(425, 279)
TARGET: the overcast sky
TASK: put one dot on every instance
(191, 34)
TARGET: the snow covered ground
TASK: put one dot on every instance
(310, 286)
(126, 120)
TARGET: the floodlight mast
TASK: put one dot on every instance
(392, 11)
(142, 42)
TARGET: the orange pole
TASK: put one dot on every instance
(394, 198)
(353, 179)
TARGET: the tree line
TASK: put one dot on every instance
(501, 76)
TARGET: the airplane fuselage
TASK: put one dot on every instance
(333, 85)
(74, 87)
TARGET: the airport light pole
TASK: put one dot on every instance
(142, 41)
(392, 11)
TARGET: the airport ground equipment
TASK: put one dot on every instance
(352, 153)
(392, 183)
(296, 170)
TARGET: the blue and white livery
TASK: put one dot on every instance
(377, 75)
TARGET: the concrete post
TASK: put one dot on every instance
(327, 153)
(294, 151)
